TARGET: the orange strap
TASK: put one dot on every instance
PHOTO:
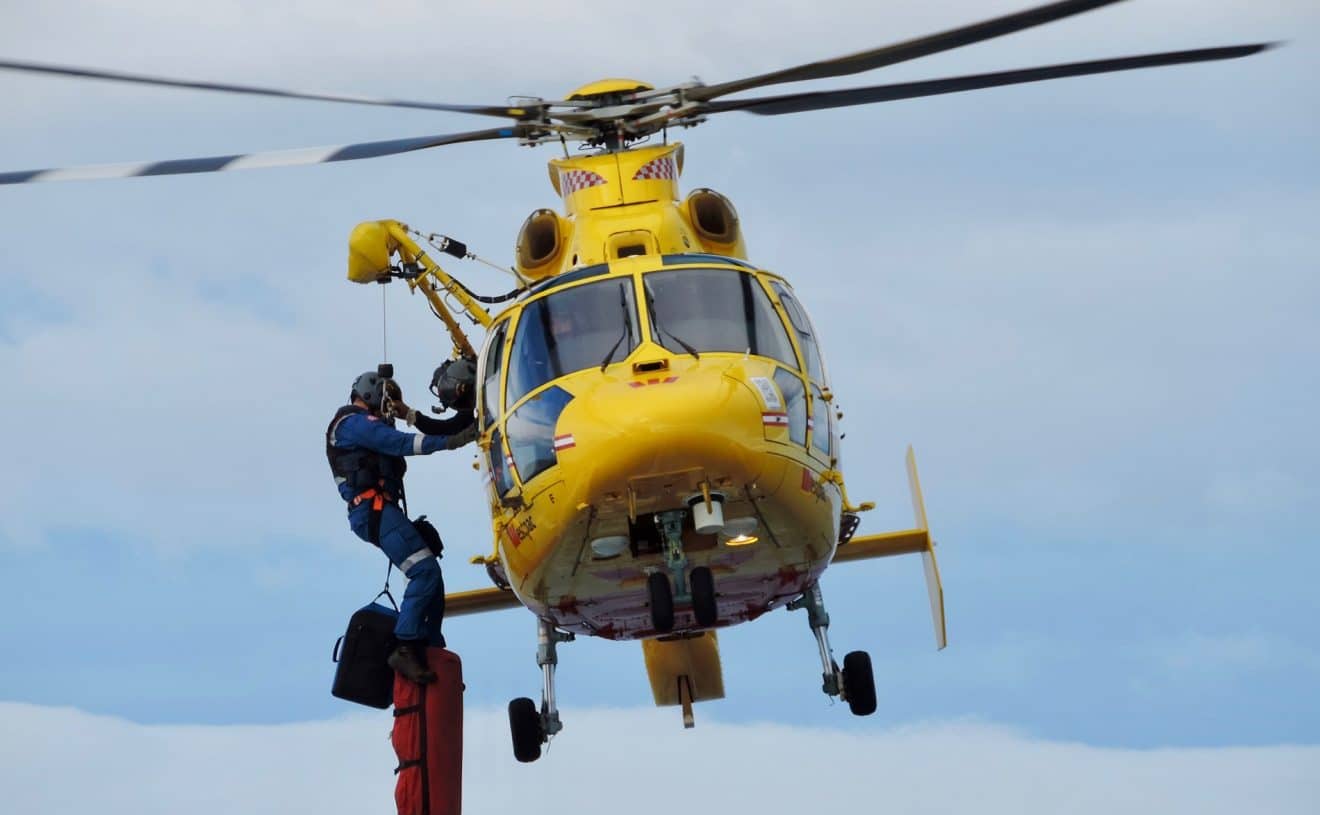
(377, 499)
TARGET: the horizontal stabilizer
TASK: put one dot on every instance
(906, 542)
(479, 600)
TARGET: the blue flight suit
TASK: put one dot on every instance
(422, 610)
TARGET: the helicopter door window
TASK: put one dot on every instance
(531, 432)
(715, 310)
(806, 337)
(499, 468)
(795, 405)
(490, 380)
(821, 432)
(587, 326)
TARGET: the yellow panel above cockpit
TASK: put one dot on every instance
(604, 86)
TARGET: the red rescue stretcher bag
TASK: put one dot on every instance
(428, 738)
(362, 675)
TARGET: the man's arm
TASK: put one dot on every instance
(443, 427)
(363, 430)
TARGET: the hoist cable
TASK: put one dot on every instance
(458, 249)
(384, 334)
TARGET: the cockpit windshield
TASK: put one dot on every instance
(715, 310)
(586, 326)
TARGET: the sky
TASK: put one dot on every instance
(1088, 304)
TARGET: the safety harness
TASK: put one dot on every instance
(366, 471)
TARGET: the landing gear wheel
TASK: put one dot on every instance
(702, 584)
(859, 683)
(525, 724)
(662, 602)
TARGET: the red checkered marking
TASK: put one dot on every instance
(663, 168)
(570, 181)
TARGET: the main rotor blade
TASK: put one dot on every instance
(821, 100)
(904, 51)
(246, 161)
(89, 73)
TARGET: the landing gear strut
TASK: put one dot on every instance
(659, 591)
(855, 683)
(532, 728)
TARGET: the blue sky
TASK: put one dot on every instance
(1089, 304)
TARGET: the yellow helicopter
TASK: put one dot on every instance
(659, 439)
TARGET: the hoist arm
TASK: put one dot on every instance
(411, 252)
(371, 248)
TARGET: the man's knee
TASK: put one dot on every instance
(424, 571)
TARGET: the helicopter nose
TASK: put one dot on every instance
(697, 418)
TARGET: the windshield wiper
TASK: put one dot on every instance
(655, 323)
(627, 328)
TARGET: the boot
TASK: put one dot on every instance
(409, 661)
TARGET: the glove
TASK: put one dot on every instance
(461, 438)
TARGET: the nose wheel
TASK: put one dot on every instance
(696, 586)
(855, 682)
(701, 589)
(702, 585)
(529, 726)
(661, 597)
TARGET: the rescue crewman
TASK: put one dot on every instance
(366, 457)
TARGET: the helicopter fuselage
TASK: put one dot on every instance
(577, 488)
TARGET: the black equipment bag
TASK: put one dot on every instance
(362, 674)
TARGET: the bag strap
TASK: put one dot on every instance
(385, 592)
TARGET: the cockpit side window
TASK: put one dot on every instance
(714, 310)
(531, 432)
(806, 336)
(587, 326)
(795, 405)
(490, 377)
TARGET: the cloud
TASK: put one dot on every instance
(62, 760)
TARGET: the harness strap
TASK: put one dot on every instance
(378, 497)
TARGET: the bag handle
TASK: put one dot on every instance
(385, 592)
